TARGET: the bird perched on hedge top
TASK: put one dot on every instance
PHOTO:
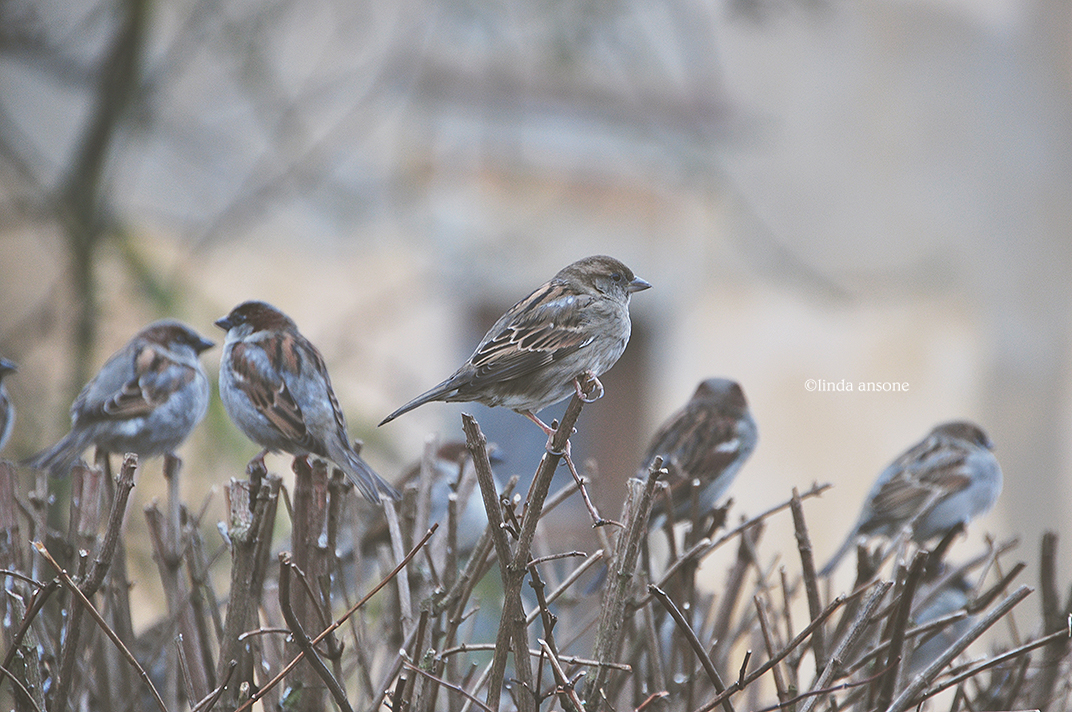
(7, 408)
(449, 465)
(575, 324)
(275, 386)
(954, 460)
(707, 441)
(146, 399)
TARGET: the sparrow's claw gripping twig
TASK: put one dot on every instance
(593, 384)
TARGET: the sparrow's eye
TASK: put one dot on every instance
(616, 277)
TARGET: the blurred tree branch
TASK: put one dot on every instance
(82, 205)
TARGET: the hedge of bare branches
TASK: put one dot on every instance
(417, 623)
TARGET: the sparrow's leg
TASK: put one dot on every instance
(597, 521)
(548, 431)
(256, 465)
(594, 386)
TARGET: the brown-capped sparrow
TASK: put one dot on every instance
(705, 442)
(451, 474)
(146, 399)
(575, 324)
(7, 408)
(275, 386)
(955, 461)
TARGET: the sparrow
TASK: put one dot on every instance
(954, 460)
(952, 595)
(449, 466)
(707, 441)
(146, 399)
(275, 386)
(576, 324)
(7, 408)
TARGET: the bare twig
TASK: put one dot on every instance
(94, 577)
(697, 646)
(570, 700)
(765, 628)
(88, 606)
(731, 592)
(811, 583)
(897, 626)
(1054, 620)
(1061, 635)
(705, 546)
(612, 616)
(855, 631)
(908, 696)
(302, 639)
(449, 685)
(566, 583)
(793, 645)
(339, 621)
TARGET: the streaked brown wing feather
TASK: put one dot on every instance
(156, 378)
(929, 467)
(277, 404)
(689, 445)
(317, 358)
(544, 327)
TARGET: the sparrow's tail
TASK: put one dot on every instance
(440, 392)
(363, 477)
(850, 541)
(57, 460)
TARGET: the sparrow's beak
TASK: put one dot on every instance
(638, 285)
(224, 323)
(203, 344)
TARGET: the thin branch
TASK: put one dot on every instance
(612, 614)
(697, 646)
(448, 685)
(73, 588)
(1061, 635)
(298, 634)
(908, 696)
(855, 631)
(811, 583)
(339, 621)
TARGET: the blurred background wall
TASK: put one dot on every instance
(875, 191)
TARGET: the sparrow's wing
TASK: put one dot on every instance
(700, 442)
(153, 378)
(320, 371)
(933, 465)
(546, 326)
(267, 390)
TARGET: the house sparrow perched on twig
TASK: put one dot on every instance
(146, 399)
(706, 441)
(955, 461)
(7, 408)
(449, 465)
(275, 386)
(532, 357)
